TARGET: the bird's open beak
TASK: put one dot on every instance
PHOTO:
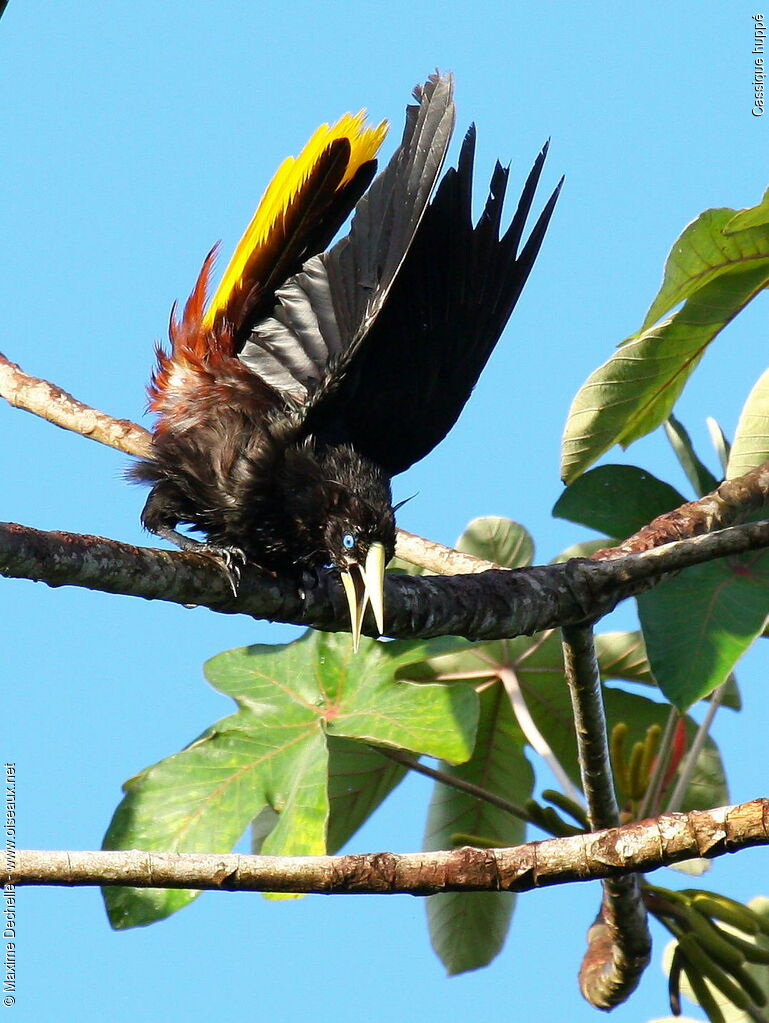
(364, 584)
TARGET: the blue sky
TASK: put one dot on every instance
(135, 136)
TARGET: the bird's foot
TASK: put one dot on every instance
(232, 559)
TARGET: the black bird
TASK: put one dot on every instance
(289, 401)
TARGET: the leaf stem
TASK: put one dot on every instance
(454, 782)
(677, 796)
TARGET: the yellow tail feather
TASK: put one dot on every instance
(290, 177)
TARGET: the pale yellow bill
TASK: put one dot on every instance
(373, 578)
(355, 590)
(364, 585)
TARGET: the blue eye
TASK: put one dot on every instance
(348, 541)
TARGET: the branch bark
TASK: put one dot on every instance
(731, 502)
(50, 402)
(619, 943)
(489, 605)
(640, 846)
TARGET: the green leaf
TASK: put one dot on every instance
(699, 623)
(715, 275)
(622, 655)
(359, 780)
(751, 441)
(701, 478)
(616, 499)
(500, 540)
(706, 249)
(274, 752)
(468, 929)
(755, 216)
(538, 665)
(707, 786)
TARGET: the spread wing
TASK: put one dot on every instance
(401, 387)
(401, 362)
(325, 312)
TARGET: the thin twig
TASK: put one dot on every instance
(436, 557)
(51, 402)
(454, 782)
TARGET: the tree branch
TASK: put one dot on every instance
(50, 402)
(731, 502)
(489, 605)
(619, 943)
(640, 846)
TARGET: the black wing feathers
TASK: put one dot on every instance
(381, 340)
(415, 369)
(362, 266)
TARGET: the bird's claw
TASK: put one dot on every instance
(233, 561)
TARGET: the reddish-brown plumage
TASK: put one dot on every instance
(197, 354)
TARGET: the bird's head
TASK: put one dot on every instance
(340, 507)
(360, 540)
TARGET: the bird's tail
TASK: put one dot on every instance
(301, 210)
(303, 207)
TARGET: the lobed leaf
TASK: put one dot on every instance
(538, 665)
(274, 753)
